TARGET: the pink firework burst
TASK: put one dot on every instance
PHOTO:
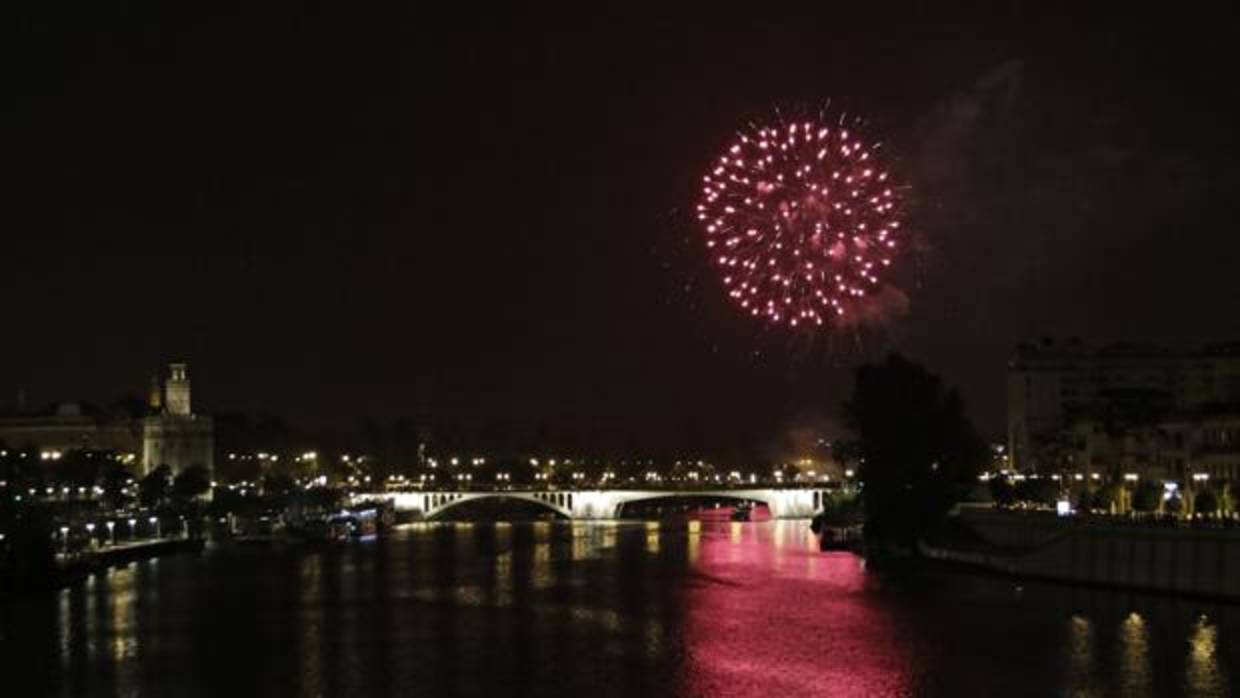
(802, 221)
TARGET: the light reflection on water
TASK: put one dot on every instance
(652, 537)
(1080, 657)
(1134, 666)
(1205, 674)
(691, 608)
(311, 635)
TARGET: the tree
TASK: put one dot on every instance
(278, 484)
(1206, 502)
(1085, 500)
(1174, 504)
(20, 470)
(1040, 491)
(917, 448)
(1107, 497)
(77, 468)
(1147, 496)
(1002, 491)
(113, 480)
(192, 482)
(846, 452)
(153, 489)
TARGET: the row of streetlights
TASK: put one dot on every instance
(111, 526)
(1199, 478)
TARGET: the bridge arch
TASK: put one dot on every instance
(738, 497)
(546, 500)
(607, 504)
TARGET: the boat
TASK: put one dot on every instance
(840, 537)
(360, 523)
(836, 533)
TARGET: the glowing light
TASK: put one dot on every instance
(803, 221)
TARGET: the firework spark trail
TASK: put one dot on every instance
(801, 220)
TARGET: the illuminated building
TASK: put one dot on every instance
(164, 431)
(174, 435)
(1124, 408)
(68, 426)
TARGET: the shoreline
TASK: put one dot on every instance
(71, 573)
(1200, 564)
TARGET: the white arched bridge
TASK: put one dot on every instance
(602, 504)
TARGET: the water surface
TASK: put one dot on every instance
(685, 608)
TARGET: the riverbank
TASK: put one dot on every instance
(1182, 561)
(124, 554)
(73, 570)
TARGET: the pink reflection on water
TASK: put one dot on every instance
(770, 615)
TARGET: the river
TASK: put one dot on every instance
(673, 608)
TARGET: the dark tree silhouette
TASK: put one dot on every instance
(77, 468)
(278, 484)
(1108, 497)
(1147, 496)
(153, 489)
(1002, 491)
(190, 483)
(1206, 502)
(1040, 491)
(113, 480)
(917, 448)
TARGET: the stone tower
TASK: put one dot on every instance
(177, 391)
(175, 436)
(155, 395)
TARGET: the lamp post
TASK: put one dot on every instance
(155, 522)
(111, 533)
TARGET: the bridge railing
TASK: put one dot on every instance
(621, 487)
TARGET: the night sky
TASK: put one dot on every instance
(488, 217)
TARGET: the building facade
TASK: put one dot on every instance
(70, 426)
(1128, 409)
(163, 432)
(174, 435)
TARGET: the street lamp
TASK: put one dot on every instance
(111, 533)
(155, 522)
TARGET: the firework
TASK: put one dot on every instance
(802, 222)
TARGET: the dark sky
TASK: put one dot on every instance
(485, 217)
